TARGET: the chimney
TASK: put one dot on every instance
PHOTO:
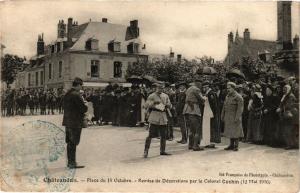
(69, 32)
(171, 54)
(104, 20)
(40, 45)
(246, 35)
(296, 42)
(178, 57)
(61, 29)
(134, 28)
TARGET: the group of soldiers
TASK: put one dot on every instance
(31, 101)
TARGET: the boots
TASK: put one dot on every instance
(236, 145)
(147, 146)
(230, 147)
(191, 141)
(197, 141)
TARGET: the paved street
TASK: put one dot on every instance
(116, 152)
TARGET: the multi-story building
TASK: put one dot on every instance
(284, 52)
(97, 51)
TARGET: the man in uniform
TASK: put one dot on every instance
(74, 110)
(232, 116)
(157, 103)
(192, 109)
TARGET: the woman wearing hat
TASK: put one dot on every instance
(289, 114)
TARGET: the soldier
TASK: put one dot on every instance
(232, 116)
(157, 103)
(192, 109)
(179, 109)
(43, 102)
(31, 103)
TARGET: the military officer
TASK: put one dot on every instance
(232, 116)
(181, 120)
(157, 103)
(192, 109)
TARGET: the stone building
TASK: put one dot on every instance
(284, 52)
(239, 47)
(97, 51)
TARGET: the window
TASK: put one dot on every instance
(29, 79)
(42, 77)
(117, 69)
(114, 46)
(52, 48)
(95, 68)
(133, 48)
(50, 70)
(36, 78)
(60, 69)
(91, 44)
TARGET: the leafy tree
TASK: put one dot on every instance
(11, 64)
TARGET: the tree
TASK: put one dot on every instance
(11, 64)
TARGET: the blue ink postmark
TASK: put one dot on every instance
(33, 158)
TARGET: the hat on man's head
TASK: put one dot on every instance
(182, 83)
(232, 84)
(206, 83)
(159, 84)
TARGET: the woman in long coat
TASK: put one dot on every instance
(232, 116)
(255, 130)
(289, 114)
(270, 117)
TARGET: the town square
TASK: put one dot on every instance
(155, 97)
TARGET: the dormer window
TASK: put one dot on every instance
(92, 44)
(133, 48)
(114, 46)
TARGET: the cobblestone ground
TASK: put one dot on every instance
(115, 153)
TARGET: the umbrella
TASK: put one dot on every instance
(235, 73)
(134, 79)
(147, 79)
(209, 70)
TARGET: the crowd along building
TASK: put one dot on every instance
(99, 52)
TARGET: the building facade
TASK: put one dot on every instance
(97, 51)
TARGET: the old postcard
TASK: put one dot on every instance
(142, 96)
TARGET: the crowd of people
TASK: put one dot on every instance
(269, 116)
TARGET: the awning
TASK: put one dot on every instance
(103, 84)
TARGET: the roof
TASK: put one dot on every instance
(251, 48)
(104, 33)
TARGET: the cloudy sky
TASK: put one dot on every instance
(192, 28)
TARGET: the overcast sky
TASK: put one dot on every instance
(191, 28)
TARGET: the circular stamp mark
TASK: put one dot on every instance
(33, 158)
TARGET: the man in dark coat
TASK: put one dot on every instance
(215, 132)
(179, 108)
(74, 109)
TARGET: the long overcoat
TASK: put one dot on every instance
(232, 115)
(74, 109)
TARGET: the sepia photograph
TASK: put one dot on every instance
(149, 96)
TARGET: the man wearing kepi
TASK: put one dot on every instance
(193, 101)
(232, 116)
(157, 103)
(74, 109)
